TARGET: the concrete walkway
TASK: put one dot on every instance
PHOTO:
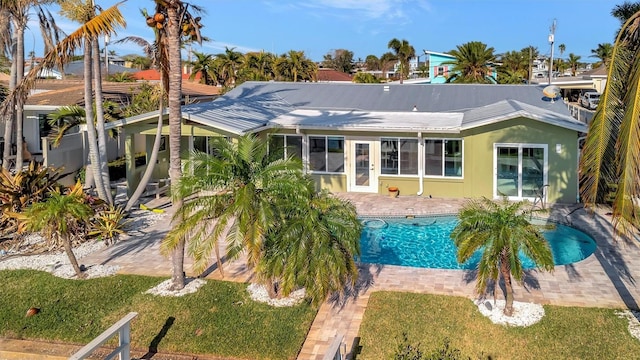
(605, 279)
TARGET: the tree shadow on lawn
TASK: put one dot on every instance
(529, 282)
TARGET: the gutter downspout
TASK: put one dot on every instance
(578, 168)
(420, 164)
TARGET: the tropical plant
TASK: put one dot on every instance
(339, 60)
(239, 188)
(610, 153)
(603, 53)
(66, 118)
(20, 190)
(57, 218)
(144, 99)
(258, 66)
(573, 61)
(203, 65)
(372, 63)
(403, 52)
(228, 64)
(365, 78)
(387, 60)
(624, 12)
(122, 77)
(295, 66)
(313, 246)
(472, 63)
(108, 224)
(514, 67)
(562, 48)
(500, 231)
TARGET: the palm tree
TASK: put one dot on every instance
(314, 247)
(372, 63)
(258, 66)
(514, 67)
(562, 48)
(67, 117)
(229, 63)
(573, 61)
(295, 66)
(500, 231)
(176, 20)
(58, 217)
(203, 64)
(240, 188)
(404, 52)
(609, 164)
(387, 60)
(18, 16)
(105, 22)
(603, 53)
(471, 64)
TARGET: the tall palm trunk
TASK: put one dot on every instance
(505, 271)
(10, 118)
(148, 172)
(19, 74)
(102, 137)
(94, 159)
(175, 131)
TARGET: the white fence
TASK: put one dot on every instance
(337, 349)
(123, 329)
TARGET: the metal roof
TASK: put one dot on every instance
(253, 106)
(370, 121)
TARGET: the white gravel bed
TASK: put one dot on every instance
(191, 285)
(524, 314)
(634, 324)
(259, 293)
(58, 263)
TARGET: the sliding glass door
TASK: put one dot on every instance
(520, 170)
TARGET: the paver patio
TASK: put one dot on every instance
(605, 279)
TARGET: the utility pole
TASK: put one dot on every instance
(551, 41)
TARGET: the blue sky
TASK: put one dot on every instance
(364, 27)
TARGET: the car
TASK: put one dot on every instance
(589, 100)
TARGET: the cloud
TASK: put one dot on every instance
(388, 10)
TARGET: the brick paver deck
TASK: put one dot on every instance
(605, 279)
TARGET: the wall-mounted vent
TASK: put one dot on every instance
(386, 88)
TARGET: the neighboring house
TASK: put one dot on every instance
(50, 95)
(453, 140)
(331, 75)
(76, 69)
(440, 67)
(45, 73)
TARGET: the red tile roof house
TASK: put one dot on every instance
(330, 75)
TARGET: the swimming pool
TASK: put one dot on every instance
(425, 242)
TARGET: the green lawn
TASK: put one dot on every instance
(563, 333)
(218, 319)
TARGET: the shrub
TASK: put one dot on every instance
(20, 190)
(109, 224)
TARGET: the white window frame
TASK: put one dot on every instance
(398, 139)
(326, 159)
(443, 176)
(520, 146)
(286, 145)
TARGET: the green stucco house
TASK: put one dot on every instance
(440, 140)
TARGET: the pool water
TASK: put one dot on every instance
(425, 242)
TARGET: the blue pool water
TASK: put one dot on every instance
(425, 242)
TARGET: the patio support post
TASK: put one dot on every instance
(420, 164)
(130, 163)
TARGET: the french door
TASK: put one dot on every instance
(520, 171)
(362, 175)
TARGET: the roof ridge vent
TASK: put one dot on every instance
(386, 88)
